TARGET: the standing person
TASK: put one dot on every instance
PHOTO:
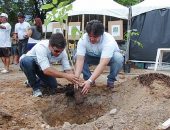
(14, 50)
(37, 64)
(5, 42)
(34, 33)
(99, 48)
(2, 68)
(21, 30)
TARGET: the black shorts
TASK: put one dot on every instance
(5, 52)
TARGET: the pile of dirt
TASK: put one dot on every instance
(139, 103)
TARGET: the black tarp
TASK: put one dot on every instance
(154, 33)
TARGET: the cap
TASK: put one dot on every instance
(4, 15)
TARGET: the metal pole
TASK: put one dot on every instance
(128, 35)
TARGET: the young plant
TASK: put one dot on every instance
(58, 12)
(132, 33)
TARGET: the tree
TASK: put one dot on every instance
(128, 2)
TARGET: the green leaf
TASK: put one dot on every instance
(47, 6)
(65, 17)
(54, 11)
(61, 4)
(74, 31)
(69, 7)
(47, 21)
(55, 2)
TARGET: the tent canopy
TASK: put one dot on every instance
(149, 5)
(99, 7)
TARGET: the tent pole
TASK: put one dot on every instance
(45, 32)
(66, 30)
(104, 20)
(128, 35)
(83, 23)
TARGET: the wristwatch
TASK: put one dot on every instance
(91, 82)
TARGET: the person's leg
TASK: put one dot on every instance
(89, 60)
(116, 63)
(15, 54)
(20, 48)
(7, 63)
(6, 58)
(49, 81)
(24, 46)
(29, 67)
(1, 55)
(12, 55)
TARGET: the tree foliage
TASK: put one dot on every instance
(128, 2)
(31, 8)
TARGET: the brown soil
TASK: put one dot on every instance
(141, 102)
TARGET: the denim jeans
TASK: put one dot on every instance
(33, 71)
(22, 46)
(116, 63)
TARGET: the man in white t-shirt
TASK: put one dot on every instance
(36, 64)
(97, 47)
(21, 32)
(5, 42)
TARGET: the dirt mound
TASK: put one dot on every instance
(147, 79)
(140, 103)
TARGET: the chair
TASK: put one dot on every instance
(159, 57)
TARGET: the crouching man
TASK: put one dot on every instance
(36, 64)
(97, 47)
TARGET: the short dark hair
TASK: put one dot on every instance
(96, 27)
(21, 15)
(57, 40)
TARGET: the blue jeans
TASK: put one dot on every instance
(22, 46)
(116, 63)
(33, 72)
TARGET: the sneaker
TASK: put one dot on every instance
(4, 71)
(27, 84)
(37, 93)
(110, 86)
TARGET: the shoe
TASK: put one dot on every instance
(4, 71)
(27, 84)
(110, 85)
(37, 93)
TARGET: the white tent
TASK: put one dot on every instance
(149, 5)
(99, 7)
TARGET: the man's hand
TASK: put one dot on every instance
(72, 78)
(86, 87)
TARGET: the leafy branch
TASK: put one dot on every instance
(131, 34)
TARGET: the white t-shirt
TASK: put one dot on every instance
(5, 40)
(21, 29)
(31, 40)
(104, 48)
(44, 57)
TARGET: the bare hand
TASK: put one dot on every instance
(72, 78)
(86, 87)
